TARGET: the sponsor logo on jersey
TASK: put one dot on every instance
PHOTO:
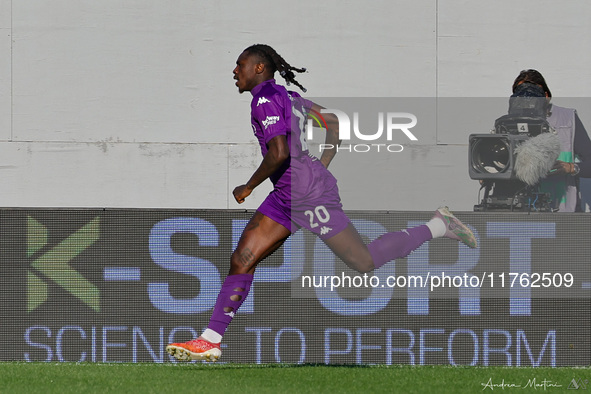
(325, 230)
(262, 100)
(270, 120)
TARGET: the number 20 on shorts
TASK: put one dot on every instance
(320, 214)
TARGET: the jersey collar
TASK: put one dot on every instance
(261, 85)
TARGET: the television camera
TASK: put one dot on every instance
(510, 161)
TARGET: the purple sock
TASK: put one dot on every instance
(225, 308)
(392, 246)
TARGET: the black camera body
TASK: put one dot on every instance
(492, 157)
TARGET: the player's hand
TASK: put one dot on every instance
(241, 192)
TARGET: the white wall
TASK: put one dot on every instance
(132, 103)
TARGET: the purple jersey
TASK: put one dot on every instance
(276, 111)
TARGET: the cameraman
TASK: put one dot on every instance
(575, 157)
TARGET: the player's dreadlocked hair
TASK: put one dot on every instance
(273, 60)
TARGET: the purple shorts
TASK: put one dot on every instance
(323, 217)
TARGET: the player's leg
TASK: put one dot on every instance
(261, 237)
(349, 246)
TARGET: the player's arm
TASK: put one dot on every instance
(277, 153)
(332, 136)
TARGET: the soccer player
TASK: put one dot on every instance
(305, 195)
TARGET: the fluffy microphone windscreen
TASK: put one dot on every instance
(535, 157)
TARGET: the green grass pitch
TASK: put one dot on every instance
(21, 377)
